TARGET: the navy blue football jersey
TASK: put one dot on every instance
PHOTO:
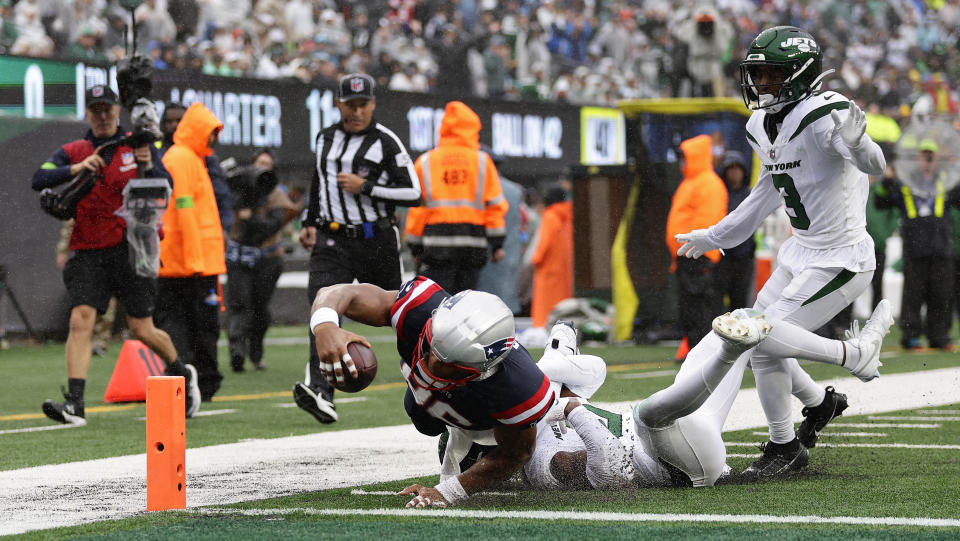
(516, 394)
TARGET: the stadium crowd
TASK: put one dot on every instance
(581, 51)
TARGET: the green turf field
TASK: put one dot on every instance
(891, 481)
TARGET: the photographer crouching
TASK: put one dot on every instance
(101, 265)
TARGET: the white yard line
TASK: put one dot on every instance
(838, 434)
(867, 445)
(81, 492)
(645, 375)
(38, 428)
(913, 418)
(938, 412)
(598, 516)
(884, 425)
(335, 401)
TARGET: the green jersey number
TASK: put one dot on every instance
(799, 218)
(614, 420)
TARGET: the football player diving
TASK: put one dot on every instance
(815, 158)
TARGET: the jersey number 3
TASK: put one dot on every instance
(791, 197)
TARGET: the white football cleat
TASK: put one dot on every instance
(869, 340)
(743, 328)
(563, 338)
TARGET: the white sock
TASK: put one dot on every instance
(774, 387)
(788, 340)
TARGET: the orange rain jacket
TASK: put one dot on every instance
(701, 198)
(463, 207)
(552, 261)
(193, 237)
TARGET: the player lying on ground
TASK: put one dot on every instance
(462, 366)
(673, 438)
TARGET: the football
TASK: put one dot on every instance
(366, 363)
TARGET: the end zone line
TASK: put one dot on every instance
(839, 434)
(867, 445)
(594, 516)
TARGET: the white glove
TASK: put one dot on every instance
(695, 244)
(852, 128)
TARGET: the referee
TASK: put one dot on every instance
(363, 172)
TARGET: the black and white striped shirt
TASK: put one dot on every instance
(375, 154)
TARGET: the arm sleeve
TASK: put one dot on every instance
(54, 172)
(740, 224)
(402, 183)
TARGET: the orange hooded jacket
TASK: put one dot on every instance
(552, 261)
(701, 198)
(193, 237)
(463, 207)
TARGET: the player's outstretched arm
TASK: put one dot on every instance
(365, 303)
(515, 446)
(851, 141)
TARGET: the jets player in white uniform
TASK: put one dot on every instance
(674, 437)
(815, 158)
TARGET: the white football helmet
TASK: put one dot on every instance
(473, 330)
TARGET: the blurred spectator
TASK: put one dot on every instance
(734, 272)
(553, 256)
(8, 29)
(699, 202)
(927, 232)
(32, 38)
(154, 24)
(707, 38)
(87, 47)
(500, 277)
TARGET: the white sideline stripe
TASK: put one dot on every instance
(916, 418)
(644, 375)
(335, 401)
(884, 425)
(938, 412)
(37, 428)
(81, 492)
(867, 445)
(841, 434)
(203, 413)
(743, 455)
(595, 516)
(361, 492)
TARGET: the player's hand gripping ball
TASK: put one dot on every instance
(366, 363)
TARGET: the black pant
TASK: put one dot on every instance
(249, 290)
(733, 279)
(876, 283)
(698, 301)
(188, 310)
(336, 259)
(927, 280)
(451, 275)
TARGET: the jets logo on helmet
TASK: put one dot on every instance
(783, 65)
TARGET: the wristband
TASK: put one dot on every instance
(366, 188)
(324, 314)
(451, 490)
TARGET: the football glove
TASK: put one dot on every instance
(852, 128)
(695, 244)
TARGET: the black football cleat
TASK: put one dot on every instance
(816, 418)
(315, 403)
(70, 411)
(777, 461)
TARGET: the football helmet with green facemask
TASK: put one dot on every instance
(783, 66)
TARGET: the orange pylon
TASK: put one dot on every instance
(166, 443)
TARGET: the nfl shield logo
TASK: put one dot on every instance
(97, 91)
(363, 171)
(126, 158)
(773, 154)
(356, 84)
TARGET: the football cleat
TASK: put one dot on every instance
(869, 340)
(817, 417)
(563, 338)
(315, 403)
(192, 402)
(743, 328)
(69, 411)
(777, 461)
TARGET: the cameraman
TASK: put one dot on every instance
(254, 255)
(100, 266)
